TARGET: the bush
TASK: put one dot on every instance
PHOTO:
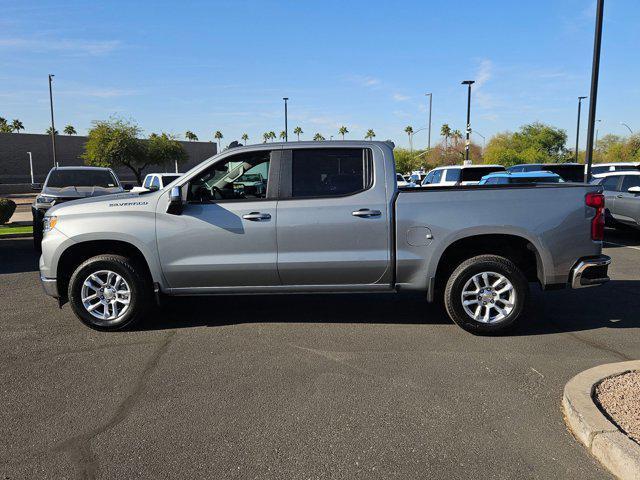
(7, 207)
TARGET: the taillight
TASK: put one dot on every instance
(596, 200)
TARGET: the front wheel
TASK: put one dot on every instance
(109, 292)
(486, 294)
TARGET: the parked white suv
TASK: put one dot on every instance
(458, 175)
(156, 181)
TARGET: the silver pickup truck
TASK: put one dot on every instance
(330, 219)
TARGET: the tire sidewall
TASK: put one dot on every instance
(453, 294)
(120, 266)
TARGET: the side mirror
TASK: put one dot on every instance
(634, 190)
(176, 205)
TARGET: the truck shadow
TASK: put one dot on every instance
(614, 305)
(17, 255)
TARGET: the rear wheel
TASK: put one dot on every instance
(109, 292)
(486, 294)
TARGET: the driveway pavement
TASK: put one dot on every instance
(349, 386)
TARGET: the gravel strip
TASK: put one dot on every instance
(619, 397)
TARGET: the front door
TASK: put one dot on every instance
(333, 227)
(628, 203)
(226, 234)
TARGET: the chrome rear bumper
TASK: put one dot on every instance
(590, 271)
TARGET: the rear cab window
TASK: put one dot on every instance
(453, 175)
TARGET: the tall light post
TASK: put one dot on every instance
(468, 83)
(53, 127)
(286, 127)
(628, 127)
(430, 95)
(578, 126)
(593, 94)
(484, 139)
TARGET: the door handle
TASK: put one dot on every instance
(619, 196)
(365, 212)
(256, 216)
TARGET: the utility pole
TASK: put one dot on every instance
(53, 127)
(430, 95)
(31, 167)
(593, 95)
(286, 128)
(468, 83)
(578, 127)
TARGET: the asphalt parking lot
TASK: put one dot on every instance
(348, 386)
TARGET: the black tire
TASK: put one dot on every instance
(464, 273)
(140, 298)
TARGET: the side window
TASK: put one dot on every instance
(491, 181)
(453, 175)
(147, 181)
(437, 176)
(155, 183)
(429, 178)
(327, 172)
(611, 183)
(239, 177)
(629, 181)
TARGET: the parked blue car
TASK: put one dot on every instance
(505, 178)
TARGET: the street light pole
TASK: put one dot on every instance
(484, 139)
(630, 131)
(286, 128)
(593, 95)
(578, 127)
(31, 167)
(430, 95)
(595, 144)
(468, 142)
(53, 127)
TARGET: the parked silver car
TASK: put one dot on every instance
(622, 194)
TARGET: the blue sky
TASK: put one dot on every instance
(225, 65)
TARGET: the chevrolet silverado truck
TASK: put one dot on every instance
(331, 219)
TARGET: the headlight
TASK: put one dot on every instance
(48, 223)
(45, 199)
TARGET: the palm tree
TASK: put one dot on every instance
(4, 126)
(342, 130)
(370, 134)
(218, 136)
(69, 130)
(189, 135)
(245, 137)
(298, 131)
(272, 135)
(16, 125)
(283, 135)
(318, 138)
(409, 131)
(49, 131)
(445, 131)
(266, 136)
(457, 136)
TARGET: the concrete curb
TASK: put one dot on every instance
(617, 452)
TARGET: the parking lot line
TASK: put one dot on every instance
(621, 245)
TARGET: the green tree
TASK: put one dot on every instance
(409, 131)
(456, 136)
(69, 130)
(532, 143)
(164, 149)
(218, 136)
(272, 135)
(343, 131)
(283, 135)
(49, 131)
(189, 135)
(4, 126)
(265, 137)
(298, 131)
(370, 134)
(115, 143)
(16, 125)
(445, 131)
(245, 137)
(318, 138)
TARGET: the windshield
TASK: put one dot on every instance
(81, 178)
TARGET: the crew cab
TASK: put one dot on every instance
(331, 219)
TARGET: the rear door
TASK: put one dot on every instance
(333, 219)
(628, 203)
